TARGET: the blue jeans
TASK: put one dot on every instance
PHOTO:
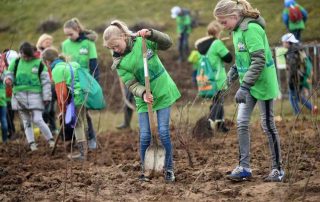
(295, 97)
(4, 124)
(163, 117)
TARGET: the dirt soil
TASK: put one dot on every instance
(111, 172)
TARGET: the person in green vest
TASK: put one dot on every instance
(194, 59)
(184, 22)
(3, 101)
(31, 91)
(258, 82)
(294, 16)
(9, 56)
(217, 53)
(49, 113)
(128, 61)
(80, 47)
(62, 78)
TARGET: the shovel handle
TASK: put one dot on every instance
(148, 92)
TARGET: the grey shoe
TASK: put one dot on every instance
(51, 143)
(33, 146)
(169, 176)
(143, 177)
(83, 152)
(123, 126)
(275, 176)
(77, 156)
(92, 144)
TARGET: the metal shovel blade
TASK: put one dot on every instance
(154, 158)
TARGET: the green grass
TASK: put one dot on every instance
(24, 16)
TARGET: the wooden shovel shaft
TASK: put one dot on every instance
(148, 92)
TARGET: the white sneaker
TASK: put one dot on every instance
(33, 146)
(275, 176)
(51, 143)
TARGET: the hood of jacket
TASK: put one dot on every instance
(87, 34)
(203, 44)
(244, 22)
(117, 57)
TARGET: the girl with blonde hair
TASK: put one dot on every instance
(44, 41)
(258, 82)
(128, 61)
(80, 47)
(216, 52)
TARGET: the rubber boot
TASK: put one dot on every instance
(221, 126)
(83, 152)
(127, 119)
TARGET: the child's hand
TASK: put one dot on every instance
(8, 82)
(144, 33)
(148, 99)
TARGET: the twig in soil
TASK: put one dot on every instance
(210, 161)
(292, 142)
(307, 183)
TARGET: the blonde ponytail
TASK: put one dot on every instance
(116, 30)
(235, 7)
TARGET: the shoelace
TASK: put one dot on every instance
(237, 170)
(274, 173)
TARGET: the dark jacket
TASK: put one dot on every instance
(293, 62)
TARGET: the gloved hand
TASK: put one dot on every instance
(242, 94)
(232, 74)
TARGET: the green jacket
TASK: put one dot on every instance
(217, 51)
(299, 25)
(27, 76)
(3, 98)
(254, 61)
(130, 68)
(61, 73)
(184, 22)
(80, 51)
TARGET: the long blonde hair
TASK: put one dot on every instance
(235, 7)
(116, 30)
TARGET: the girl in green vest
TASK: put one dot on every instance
(80, 47)
(217, 53)
(3, 100)
(62, 78)
(258, 81)
(31, 91)
(128, 62)
(49, 114)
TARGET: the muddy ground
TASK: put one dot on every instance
(111, 172)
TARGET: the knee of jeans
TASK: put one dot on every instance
(145, 136)
(242, 123)
(164, 133)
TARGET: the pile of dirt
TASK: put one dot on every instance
(111, 172)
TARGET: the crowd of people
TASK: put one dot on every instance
(38, 78)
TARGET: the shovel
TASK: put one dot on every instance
(155, 153)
